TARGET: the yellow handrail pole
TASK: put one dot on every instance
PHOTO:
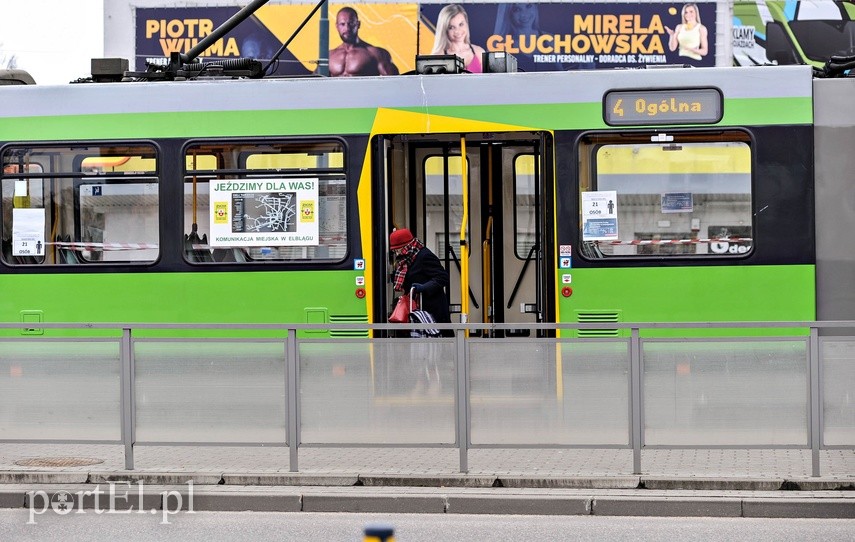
(464, 248)
(486, 258)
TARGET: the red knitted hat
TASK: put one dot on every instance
(399, 238)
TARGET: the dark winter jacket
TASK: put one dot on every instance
(428, 271)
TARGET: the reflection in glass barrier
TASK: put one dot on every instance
(399, 391)
(549, 392)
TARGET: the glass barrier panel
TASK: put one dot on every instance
(549, 392)
(217, 391)
(725, 392)
(60, 390)
(386, 391)
(838, 376)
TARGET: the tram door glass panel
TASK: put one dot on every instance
(275, 202)
(441, 237)
(525, 205)
(678, 199)
(76, 204)
(517, 248)
(443, 214)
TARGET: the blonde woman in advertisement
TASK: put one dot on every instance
(452, 38)
(690, 36)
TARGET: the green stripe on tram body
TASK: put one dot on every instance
(726, 293)
(211, 124)
(242, 297)
(589, 116)
(567, 116)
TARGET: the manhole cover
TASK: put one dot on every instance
(58, 462)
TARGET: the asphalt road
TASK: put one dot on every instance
(261, 526)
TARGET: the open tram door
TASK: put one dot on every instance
(500, 198)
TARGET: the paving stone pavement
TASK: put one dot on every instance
(705, 482)
(538, 462)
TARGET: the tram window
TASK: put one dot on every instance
(80, 204)
(525, 205)
(272, 202)
(454, 239)
(295, 160)
(688, 197)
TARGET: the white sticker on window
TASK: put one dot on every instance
(268, 212)
(28, 232)
(599, 215)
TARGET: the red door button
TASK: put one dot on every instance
(567, 291)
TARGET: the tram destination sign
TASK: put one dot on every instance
(656, 107)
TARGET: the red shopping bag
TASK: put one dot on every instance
(401, 313)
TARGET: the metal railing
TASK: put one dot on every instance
(665, 385)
